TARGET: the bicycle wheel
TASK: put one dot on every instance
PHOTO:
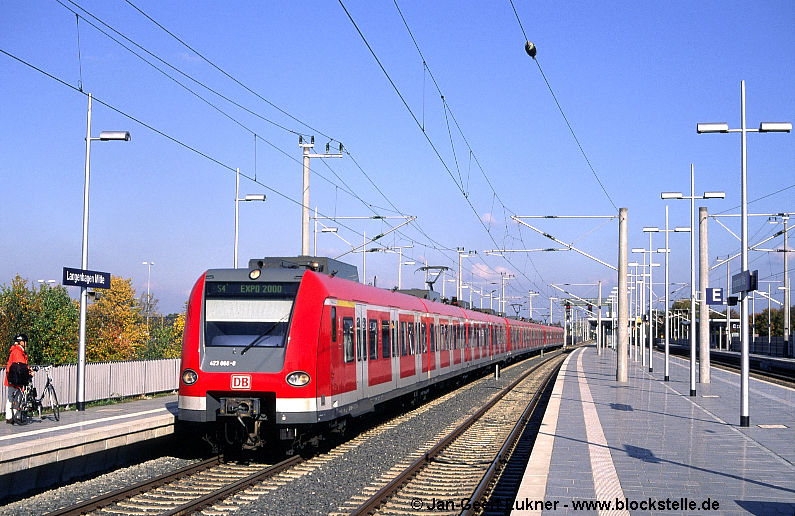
(52, 401)
(19, 412)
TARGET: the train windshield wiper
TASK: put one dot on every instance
(262, 335)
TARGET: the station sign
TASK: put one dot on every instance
(85, 278)
(745, 281)
(715, 296)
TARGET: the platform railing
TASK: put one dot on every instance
(109, 380)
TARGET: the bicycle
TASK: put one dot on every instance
(24, 400)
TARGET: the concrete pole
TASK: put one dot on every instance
(787, 309)
(237, 209)
(623, 313)
(745, 417)
(728, 308)
(81, 350)
(692, 327)
(667, 300)
(400, 269)
(305, 201)
(703, 273)
(599, 322)
(642, 305)
(651, 306)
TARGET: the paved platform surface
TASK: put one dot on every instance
(40, 451)
(648, 447)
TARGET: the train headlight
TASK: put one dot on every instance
(254, 274)
(298, 378)
(189, 376)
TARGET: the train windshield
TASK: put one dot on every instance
(253, 321)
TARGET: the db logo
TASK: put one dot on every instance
(241, 382)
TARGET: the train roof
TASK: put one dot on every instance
(320, 264)
(340, 288)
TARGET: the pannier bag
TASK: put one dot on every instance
(18, 374)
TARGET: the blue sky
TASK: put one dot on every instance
(632, 78)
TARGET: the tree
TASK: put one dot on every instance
(115, 329)
(16, 310)
(165, 340)
(55, 326)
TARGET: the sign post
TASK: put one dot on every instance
(84, 279)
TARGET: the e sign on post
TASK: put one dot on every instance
(714, 296)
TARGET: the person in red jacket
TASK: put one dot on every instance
(17, 354)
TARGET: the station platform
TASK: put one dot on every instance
(45, 452)
(648, 447)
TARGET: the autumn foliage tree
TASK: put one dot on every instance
(47, 315)
(114, 326)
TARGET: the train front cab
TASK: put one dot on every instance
(246, 364)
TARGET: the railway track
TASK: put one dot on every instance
(785, 378)
(456, 474)
(213, 487)
(184, 491)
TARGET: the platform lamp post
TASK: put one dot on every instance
(248, 198)
(650, 252)
(667, 251)
(692, 197)
(148, 295)
(764, 127)
(81, 350)
(641, 301)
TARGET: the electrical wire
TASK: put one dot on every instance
(425, 134)
(347, 188)
(224, 72)
(565, 118)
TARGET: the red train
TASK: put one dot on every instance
(291, 346)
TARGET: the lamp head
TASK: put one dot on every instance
(720, 127)
(114, 135)
(775, 127)
(671, 195)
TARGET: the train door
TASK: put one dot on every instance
(435, 344)
(458, 346)
(407, 363)
(394, 324)
(444, 343)
(361, 351)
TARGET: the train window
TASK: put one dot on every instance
(424, 337)
(333, 324)
(433, 337)
(411, 339)
(395, 340)
(361, 345)
(347, 339)
(246, 323)
(403, 346)
(385, 339)
(373, 338)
